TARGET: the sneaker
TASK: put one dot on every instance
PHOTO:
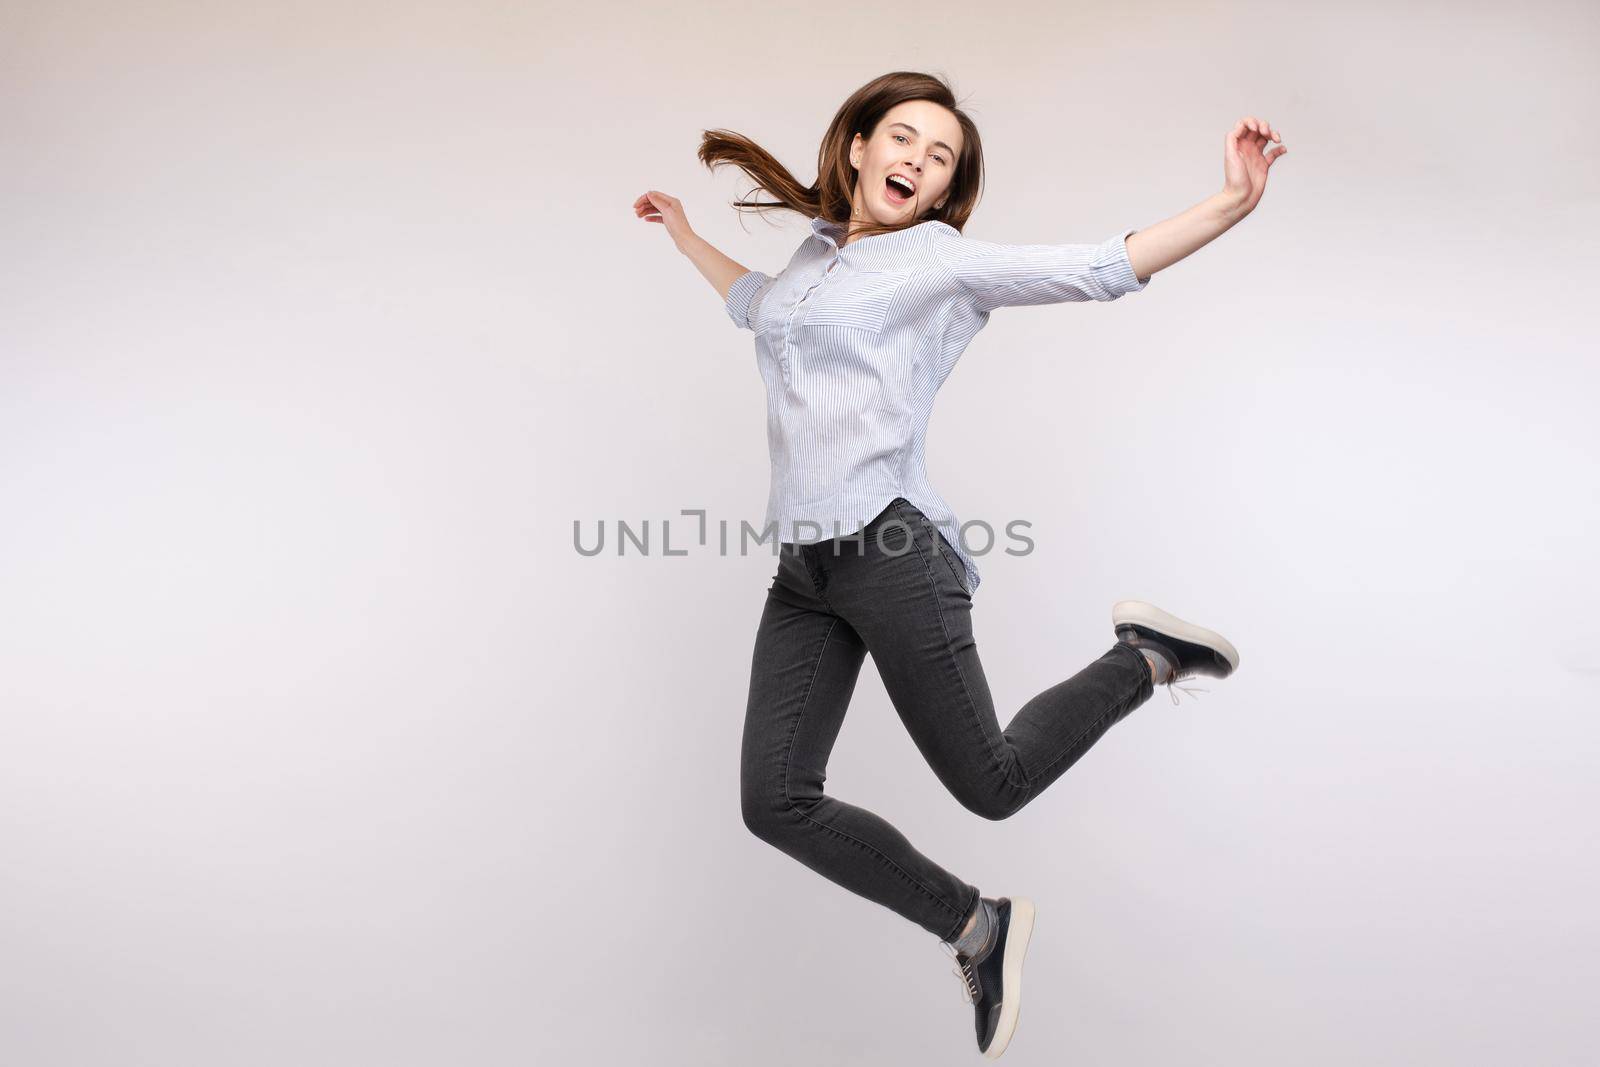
(1192, 650)
(992, 979)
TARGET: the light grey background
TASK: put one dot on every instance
(322, 323)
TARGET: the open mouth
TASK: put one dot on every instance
(897, 189)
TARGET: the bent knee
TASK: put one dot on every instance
(773, 814)
(992, 806)
(767, 815)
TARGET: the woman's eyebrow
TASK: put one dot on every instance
(913, 129)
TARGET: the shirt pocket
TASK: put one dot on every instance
(857, 299)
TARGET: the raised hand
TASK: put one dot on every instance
(1244, 165)
(655, 206)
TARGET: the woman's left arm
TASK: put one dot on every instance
(1244, 168)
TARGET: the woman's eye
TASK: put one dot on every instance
(902, 137)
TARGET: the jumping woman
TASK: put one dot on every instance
(853, 340)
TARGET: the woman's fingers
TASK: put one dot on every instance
(1254, 133)
(1264, 129)
(653, 205)
(1254, 128)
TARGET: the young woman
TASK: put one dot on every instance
(854, 338)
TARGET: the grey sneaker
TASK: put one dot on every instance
(1192, 650)
(992, 979)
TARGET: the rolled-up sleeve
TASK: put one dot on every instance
(744, 297)
(1004, 275)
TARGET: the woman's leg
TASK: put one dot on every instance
(915, 617)
(802, 673)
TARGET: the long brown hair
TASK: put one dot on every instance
(830, 197)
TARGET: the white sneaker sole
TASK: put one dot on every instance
(1017, 936)
(1145, 614)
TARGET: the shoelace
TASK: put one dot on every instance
(963, 971)
(1172, 683)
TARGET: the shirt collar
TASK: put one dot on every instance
(881, 249)
(823, 228)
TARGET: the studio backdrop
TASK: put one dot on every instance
(330, 341)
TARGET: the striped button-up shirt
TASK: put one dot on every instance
(854, 341)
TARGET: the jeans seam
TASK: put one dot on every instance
(1087, 730)
(960, 577)
(961, 922)
(944, 628)
(1144, 667)
(958, 573)
(788, 763)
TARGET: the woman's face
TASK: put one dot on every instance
(917, 140)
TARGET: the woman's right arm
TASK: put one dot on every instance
(717, 268)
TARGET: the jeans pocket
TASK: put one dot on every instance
(941, 544)
(892, 519)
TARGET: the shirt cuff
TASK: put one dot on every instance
(1112, 267)
(740, 294)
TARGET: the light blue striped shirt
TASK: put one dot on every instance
(853, 343)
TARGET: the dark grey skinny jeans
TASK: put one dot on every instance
(895, 590)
